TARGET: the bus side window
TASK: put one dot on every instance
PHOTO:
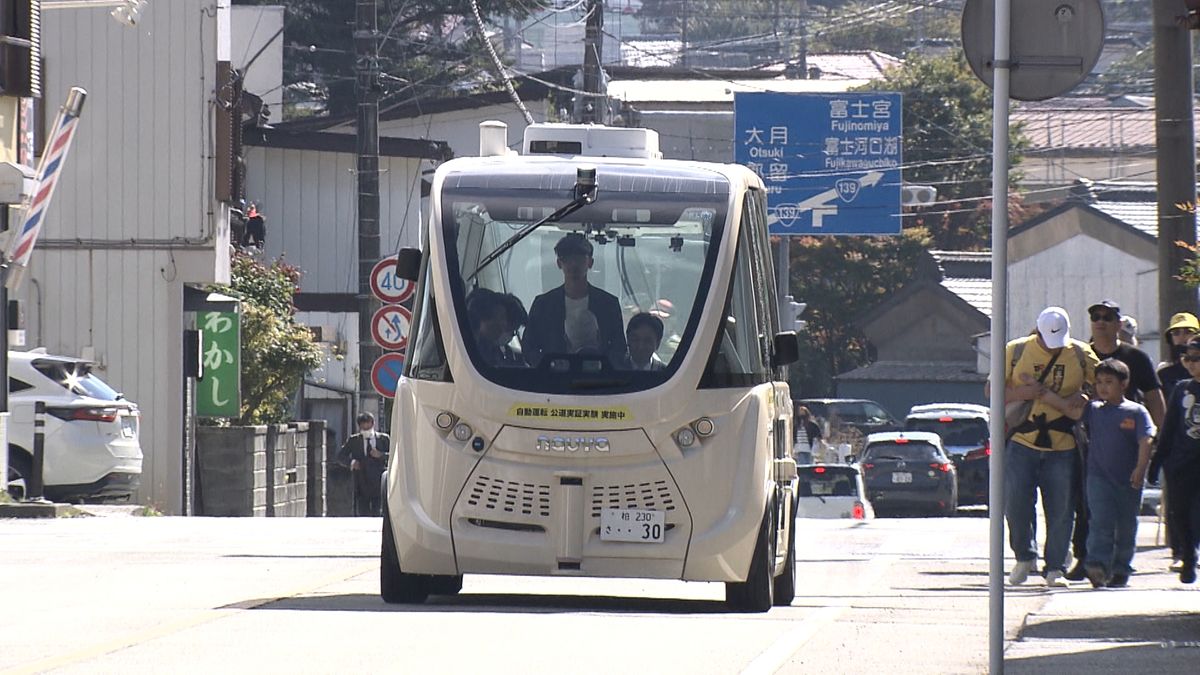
(427, 351)
(737, 358)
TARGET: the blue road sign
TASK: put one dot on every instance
(831, 162)
(386, 372)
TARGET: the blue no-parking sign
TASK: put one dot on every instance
(831, 162)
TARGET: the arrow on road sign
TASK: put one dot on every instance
(820, 204)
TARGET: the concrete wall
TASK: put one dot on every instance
(133, 218)
(254, 471)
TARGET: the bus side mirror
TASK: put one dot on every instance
(408, 264)
(786, 349)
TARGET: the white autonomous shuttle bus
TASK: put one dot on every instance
(594, 384)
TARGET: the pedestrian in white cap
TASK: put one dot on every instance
(1044, 378)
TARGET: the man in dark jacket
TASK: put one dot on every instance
(367, 453)
(575, 317)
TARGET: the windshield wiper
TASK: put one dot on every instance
(585, 193)
(890, 458)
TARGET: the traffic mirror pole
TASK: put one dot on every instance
(1000, 94)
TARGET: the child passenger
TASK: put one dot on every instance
(1120, 434)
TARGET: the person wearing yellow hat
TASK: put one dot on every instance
(1182, 327)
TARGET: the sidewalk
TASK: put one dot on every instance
(1151, 627)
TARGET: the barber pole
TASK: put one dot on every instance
(21, 248)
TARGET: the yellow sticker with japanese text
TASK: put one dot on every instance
(559, 413)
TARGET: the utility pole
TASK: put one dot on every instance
(683, 35)
(1175, 155)
(594, 105)
(366, 67)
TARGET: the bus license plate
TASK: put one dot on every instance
(904, 477)
(636, 525)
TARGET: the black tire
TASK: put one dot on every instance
(756, 593)
(20, 467)
(395, 586)
(449, 584)
(785, 583)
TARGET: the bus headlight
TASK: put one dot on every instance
(685, 437)
(462, 432)
(704, 427)
(444, 420)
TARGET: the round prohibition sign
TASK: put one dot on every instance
(386, 286)
(389, 327)
(385, 374)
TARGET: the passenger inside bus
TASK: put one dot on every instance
(644, 334)
(575, 317)
(494, 319)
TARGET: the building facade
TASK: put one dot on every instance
(136, 217)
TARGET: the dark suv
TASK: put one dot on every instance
(963, 428)
(867, 417)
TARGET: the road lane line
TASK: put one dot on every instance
(781, 651)
(200, 618)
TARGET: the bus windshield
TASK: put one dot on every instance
(605, 300)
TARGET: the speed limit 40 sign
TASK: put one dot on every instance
(386, 286)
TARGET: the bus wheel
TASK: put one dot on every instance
(449, 584)
(785, 583)
(755, 594)
(395, 586)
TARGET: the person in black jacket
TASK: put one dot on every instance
(1178, 457)
(367, 453)
(575, 317)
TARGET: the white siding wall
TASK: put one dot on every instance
(1075, 274)
(460, 128)
(132, 220)
(310, 199)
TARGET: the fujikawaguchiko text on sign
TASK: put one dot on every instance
(831, 162)
(219, 392)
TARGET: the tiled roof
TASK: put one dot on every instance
(1090, 128)
(910, 371)
(967, 274)
(853, 65)
(977, 292)
(1140, 214)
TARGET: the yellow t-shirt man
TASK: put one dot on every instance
(1075, 367)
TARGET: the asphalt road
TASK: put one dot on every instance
(132, 595)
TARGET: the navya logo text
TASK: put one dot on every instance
(571, 444)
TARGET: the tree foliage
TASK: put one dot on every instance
(841, 278)
(948, 144)
(277, 352)
(428, 46)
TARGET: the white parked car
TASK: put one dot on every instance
(91, 449)
(832, 491)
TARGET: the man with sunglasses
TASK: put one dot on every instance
(1144, 387)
